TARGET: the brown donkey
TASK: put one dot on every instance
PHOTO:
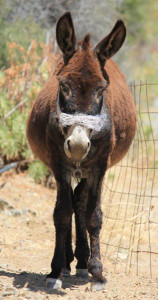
(82, 122)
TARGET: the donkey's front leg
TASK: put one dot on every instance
(82, 248)
(62, 219)
(94, 223)
(69, 256)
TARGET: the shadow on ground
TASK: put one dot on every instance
(36, 282)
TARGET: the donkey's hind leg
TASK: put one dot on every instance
(82, 249)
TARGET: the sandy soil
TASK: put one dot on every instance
(26, 249)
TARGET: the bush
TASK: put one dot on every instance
(38, 171)
(20, 84)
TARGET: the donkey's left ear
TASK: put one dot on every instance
(65, 35)
(111, 43)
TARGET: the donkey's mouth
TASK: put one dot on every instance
(77, 155)
(77, 144)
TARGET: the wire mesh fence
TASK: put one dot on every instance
(129, 238)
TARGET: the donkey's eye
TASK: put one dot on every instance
(66, 91)
(99, 96)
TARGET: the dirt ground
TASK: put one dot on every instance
(26, 249)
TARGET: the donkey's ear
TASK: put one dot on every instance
(111, 43)
(65, 35)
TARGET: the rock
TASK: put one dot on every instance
(97, 286)
(9, 292)
(27, 210)
(9, 210)
(3, 266)
(13, 212)
(5, 205)
(73, 288)
(122, 256)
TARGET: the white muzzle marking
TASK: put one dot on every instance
(77, 144)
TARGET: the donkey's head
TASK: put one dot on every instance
(82, 106)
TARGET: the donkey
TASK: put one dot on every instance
(82, 123)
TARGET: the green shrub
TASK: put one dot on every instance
(20, 84)
(38, 171)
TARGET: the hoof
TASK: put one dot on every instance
(66, 273)
(97, 286)
(53, 283)
(83, 273)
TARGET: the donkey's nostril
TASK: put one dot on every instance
(68, 144)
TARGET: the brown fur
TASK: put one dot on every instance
(118, 97)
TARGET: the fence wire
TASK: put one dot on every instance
(129, 238)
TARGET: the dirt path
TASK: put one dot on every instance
(26, 249)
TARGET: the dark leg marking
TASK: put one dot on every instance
(82, 249)
(94, 223)
(62, 218)
(69, 251)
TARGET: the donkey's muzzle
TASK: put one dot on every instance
(77, 144)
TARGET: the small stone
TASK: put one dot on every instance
(97, 286)
(3, 266)
(9, 292)
(74, 288)
(15, 212)
(122, 256)
(10, 289)
(27, 220)
(143, 293)
(27, 210)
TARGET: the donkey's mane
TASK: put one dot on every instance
(85, 42)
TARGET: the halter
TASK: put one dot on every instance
(96, 123)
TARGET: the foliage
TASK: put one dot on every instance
(38, 171)
(142, 31)
(20, 31)
(139, 17)
(20, 84)
(22, 20)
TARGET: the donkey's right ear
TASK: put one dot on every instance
(65, 36)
